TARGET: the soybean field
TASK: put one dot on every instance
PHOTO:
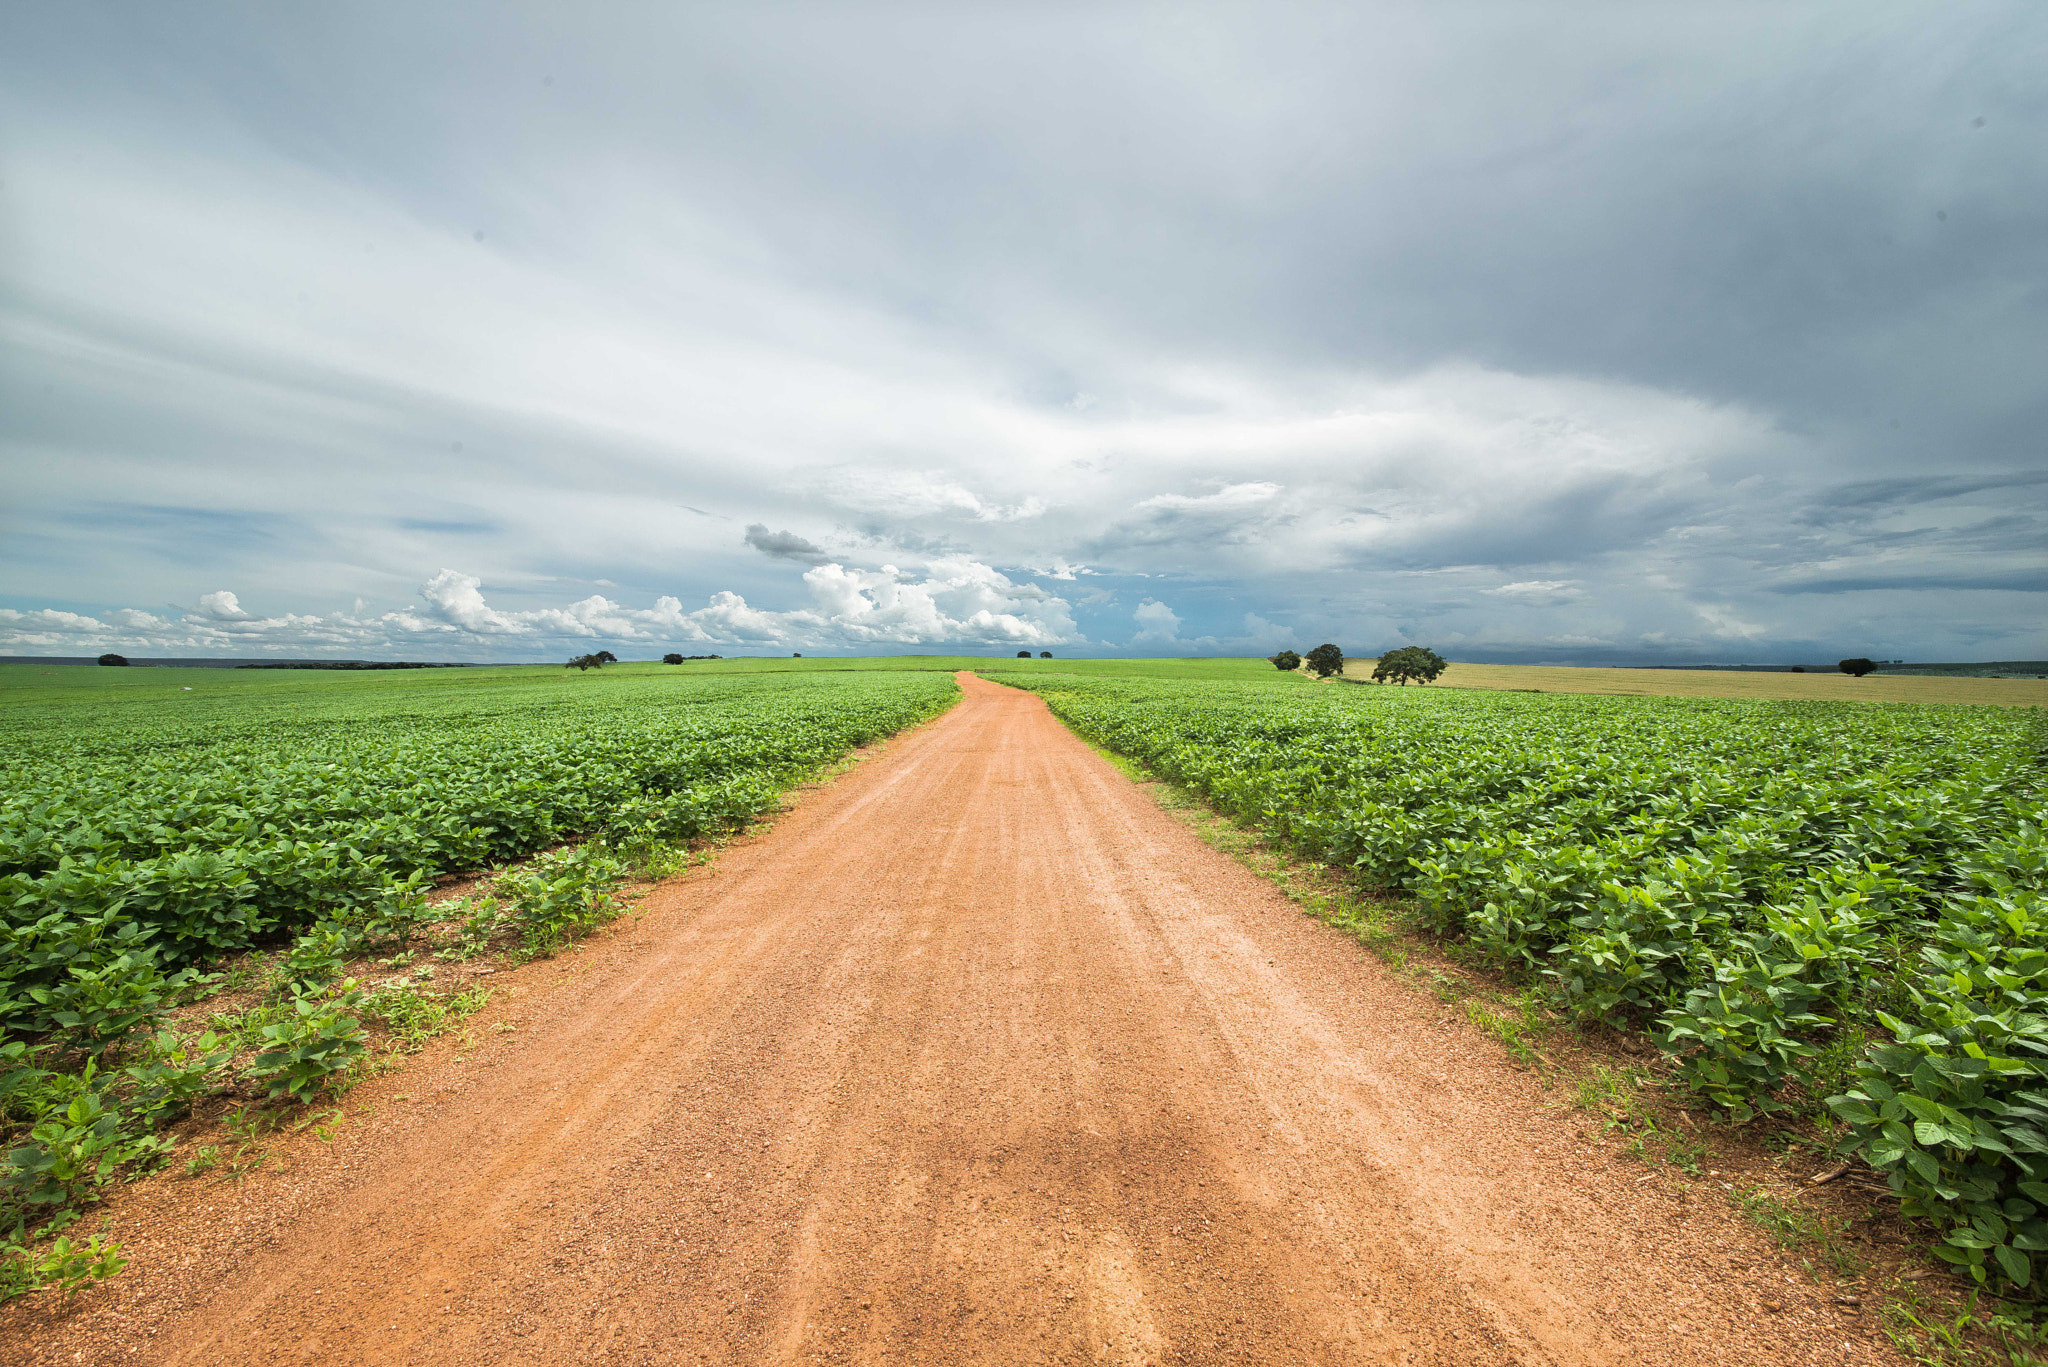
(1834, 908)
(204, 831)
(152, 826)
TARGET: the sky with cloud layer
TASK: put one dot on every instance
(1584, 333)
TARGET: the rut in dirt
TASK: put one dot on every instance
(976, 1057)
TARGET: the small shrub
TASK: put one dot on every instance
(412, 1014)
(562, 896)
(316, 959)
(70, 1152)
(67, 1266)
(1286, 661)
(174, 1071)
(482, 920)
(318, 1040)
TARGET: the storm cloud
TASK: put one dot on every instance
(1572, 332)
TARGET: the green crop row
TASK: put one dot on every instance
(1798, 901)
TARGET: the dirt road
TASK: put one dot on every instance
(975, 1057)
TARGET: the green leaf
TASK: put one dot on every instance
(1922, 1108)
(2015, 1264)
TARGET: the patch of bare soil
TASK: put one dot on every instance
(976, 1057)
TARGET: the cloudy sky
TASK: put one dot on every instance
(1589, 332)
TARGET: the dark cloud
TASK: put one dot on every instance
(785, 545)
(1885, 493)
(2014, 581)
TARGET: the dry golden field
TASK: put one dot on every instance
(1717, 683)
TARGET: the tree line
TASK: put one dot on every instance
(1416, 664)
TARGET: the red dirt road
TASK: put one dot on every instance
(975, 1057)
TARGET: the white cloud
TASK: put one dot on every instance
(458, 600)
(1158, 624)
(222, 606)
(956, 601)
(1537, 591)
(877, 491)
(1229, 498)
(1264, 635)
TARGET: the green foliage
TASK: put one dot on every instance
(410, 1012)
(171, 1072)
(1954, 1107)
(1417, 663)
(340, 800)
(65, 1265)
(481, 920)
(70, 1152)
(562, 896)
(1324, 661)
(1763, 887)
(1287, 661)
(1856, 668)
(306, 1050)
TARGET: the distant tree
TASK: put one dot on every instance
(1798, 669)
(1045, 654)
(1286, 659)
(1856, 668)
(1023, 654)
(110, 658)
(796, 654)
(583, 662)
(1418, 663)
(607, 657)
(1325, 660)
(671, 658)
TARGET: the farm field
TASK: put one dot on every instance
(152, 828)
(234, 807)
(976, 1055)
(1805, 904)
(1726, 683)
(982, 968)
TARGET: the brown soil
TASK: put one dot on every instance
(975, 1057)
